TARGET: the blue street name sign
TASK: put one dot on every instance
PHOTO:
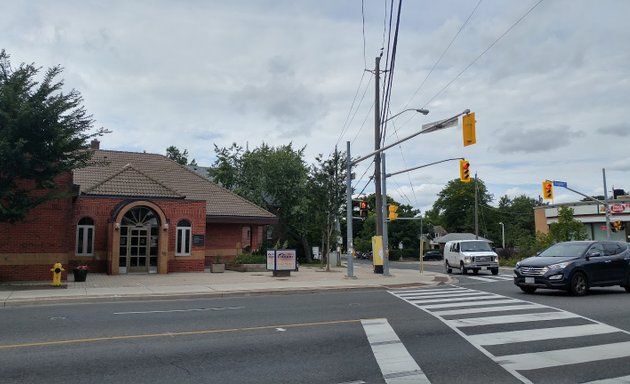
(559, 183)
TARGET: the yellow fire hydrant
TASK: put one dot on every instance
(56, 270)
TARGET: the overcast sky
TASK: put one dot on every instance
(551, 96)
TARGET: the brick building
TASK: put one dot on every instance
(132, 213)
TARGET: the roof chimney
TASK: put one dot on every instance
(95, 144)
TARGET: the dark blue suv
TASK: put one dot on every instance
(576, 266)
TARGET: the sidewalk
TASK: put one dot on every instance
(102, 287)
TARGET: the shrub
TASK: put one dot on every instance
(250, 259)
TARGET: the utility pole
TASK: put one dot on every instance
(377, 146)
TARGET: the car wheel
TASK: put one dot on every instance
(447, 267)
(527, 289)
(461, 267)
(579, 285)
(495, 271)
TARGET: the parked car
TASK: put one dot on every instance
(576, 266)
(470, 255)
(433, 254)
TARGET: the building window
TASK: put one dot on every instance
(184, 238)
(85, 237)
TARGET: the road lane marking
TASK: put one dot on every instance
(615, 380)
(466, 311)
(179, 310)
(462, 294)
(470, 304)
(478, 297)
(520, 364)
(491, 279)
(558, 357)
(498, 338)
(174, 334)
(507, 319)
(395, 362)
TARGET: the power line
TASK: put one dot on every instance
(484, 52)
(363, 124)
(349, 120)
(363, 30)
(443, 53)
(390, 79)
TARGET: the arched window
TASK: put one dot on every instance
(184, 238)
(85, 237)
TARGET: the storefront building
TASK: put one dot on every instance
(592, 215)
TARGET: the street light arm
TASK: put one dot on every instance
(419, 110)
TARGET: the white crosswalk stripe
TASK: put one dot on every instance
(492, 279)
(463, 309)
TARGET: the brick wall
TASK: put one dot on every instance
(34, 272)
(185, 264)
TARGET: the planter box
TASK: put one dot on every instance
(80, 274)
(217, 268)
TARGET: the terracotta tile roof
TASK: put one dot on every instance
(152, 175)
(130, 182)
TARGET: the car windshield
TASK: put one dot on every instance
(475, 246)
(565, 250)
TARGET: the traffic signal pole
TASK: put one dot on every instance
(377, 146)
(349, 244)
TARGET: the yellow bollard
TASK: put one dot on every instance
(56, 270)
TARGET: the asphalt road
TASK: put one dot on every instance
(372, 336)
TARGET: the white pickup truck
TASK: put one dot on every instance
(470, 255)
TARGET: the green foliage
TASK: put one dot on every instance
(43, 134)
(455, 204)
(567, 228)
(305, 199)
(174, 154)
(250, 259)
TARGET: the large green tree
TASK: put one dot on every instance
(456, 204)
(272, 177)
(43, 133)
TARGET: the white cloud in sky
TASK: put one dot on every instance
(550, 97)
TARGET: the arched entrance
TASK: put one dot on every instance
(139, 241)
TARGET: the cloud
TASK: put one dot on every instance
(616, 130)
(534, 140)
(291, 105)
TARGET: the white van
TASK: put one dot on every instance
(470, 255)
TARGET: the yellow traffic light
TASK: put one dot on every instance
(464, 171)
(468, 129)
(547, 188)
(393, 215)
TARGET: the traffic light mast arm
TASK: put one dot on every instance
(588, 197)
(422, 166)
(434, 127)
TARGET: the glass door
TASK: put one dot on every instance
(138, 251)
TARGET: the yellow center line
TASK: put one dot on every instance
(173, 334)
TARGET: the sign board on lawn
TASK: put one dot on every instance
(281, 260)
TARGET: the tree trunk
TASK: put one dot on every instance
(307, 249)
